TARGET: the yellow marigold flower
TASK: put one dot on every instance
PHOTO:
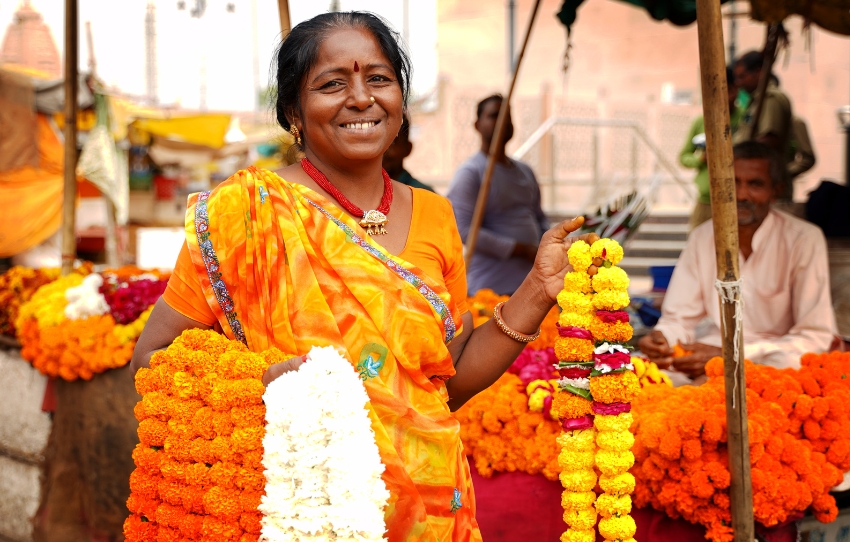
(47, 305)
(615, 388)
(578, 441)
(575, 301)
(537, 399)
(576, 281)
(620, 422)
(610, 300)
(566, 406)
(580, 519)
(579, 256)
(618, 484)
(572, 500)
(610, 278)
(616, 332)
(579, 480)
(579, 535)
(639, 365)
(617, 528)
(615, 441)
(611, 463)
(570, 349)
(607, 249)
(570, 461)
(613, 505)
(576, 319)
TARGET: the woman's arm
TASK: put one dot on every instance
(164, 325)
(484, 354)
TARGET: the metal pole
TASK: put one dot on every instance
(69, 234)
(498, 138)
(733, 31)
(847, 155)
(725, 218)
(405, 24)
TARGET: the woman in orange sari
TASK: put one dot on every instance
(289, 261)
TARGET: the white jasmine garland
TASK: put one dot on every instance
(606, 348)
(604, 368)
(86, 300)
(580, 383)
(322, 466)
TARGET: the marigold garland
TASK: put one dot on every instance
(199, 472)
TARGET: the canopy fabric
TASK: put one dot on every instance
(31, 197)
(678, 12)
(832, 15)
(206, 130)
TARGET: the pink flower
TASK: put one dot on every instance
(614, 360)
(610, 317)
(573, 424)
(540, 363)
(574, 372)
(611, 409)
(574, 332)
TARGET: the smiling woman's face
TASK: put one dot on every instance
(338, 118)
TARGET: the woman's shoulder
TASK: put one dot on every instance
(432, 203)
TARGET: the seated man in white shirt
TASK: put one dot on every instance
(783, 262)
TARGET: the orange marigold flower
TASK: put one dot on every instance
(139, 529)
(617, 332)
(567, 406)
(615, 388)
(570, 349)
(144, 485)
(223, 503)
(191, 526)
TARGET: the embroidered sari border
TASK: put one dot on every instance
(211, 263)
(436, 302)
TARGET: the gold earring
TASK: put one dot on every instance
(372, 99)
(295, 133)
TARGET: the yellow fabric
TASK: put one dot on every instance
(206, 130)
(31, 198)
(282, 266)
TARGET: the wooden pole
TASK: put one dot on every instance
(498, 137)
(724, 213)
(285, 22)
(769, 52)
(69, 235)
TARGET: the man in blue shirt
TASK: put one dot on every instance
(513, 219)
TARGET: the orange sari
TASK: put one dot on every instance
(282, 266)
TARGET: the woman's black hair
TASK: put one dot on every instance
(300, 49)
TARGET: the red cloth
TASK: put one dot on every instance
(519, 507)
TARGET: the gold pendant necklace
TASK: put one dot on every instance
(374, 222)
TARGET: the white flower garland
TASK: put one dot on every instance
(580, 383)
(86, 300)
(322, 467)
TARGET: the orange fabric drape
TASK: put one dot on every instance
(31, 198)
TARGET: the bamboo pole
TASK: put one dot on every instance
(69, 235)
(285, 21)
(498, 137)
(769, 52)
(718, 135)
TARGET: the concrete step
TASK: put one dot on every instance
(662, 232)
(660, 245)
(639, 265)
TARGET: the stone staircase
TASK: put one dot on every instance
(658, 242)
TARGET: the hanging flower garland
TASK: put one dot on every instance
(199, 470)
(128, 295)
(322, 466)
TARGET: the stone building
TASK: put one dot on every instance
(29, 43)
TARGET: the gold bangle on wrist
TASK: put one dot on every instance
(512, 333)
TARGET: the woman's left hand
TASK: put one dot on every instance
(552, 263)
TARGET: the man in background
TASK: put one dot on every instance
(394, 157)
(774, 126)
(513, 218)
(785, 280)
(693, 153)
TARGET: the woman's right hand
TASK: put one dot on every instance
(274, 371)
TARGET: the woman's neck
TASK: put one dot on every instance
(361, 182)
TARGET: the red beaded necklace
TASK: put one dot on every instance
(373, 221)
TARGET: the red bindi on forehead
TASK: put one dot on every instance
(356, 67)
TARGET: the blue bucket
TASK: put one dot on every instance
(661, 277)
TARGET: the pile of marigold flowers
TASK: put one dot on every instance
(199, 471)
(799, 437)
(17, 285)
(69, 329)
